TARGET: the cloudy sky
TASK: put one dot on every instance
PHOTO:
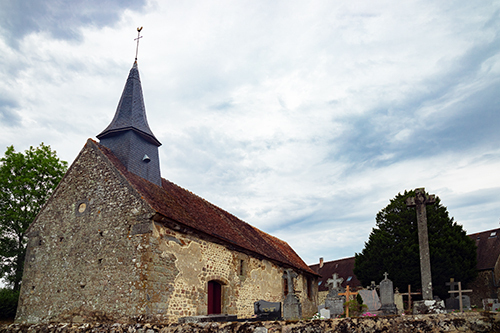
(303, 118)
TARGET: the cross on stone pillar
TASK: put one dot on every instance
(420, 200)
(409, 293)
(336, 281)
(347, 294)
(460, 291)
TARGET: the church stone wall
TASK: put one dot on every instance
(244, 279)
(81, 257)
(483, 288)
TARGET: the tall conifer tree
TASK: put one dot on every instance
(393, 247)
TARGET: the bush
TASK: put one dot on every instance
(8, 303)
(355, 308)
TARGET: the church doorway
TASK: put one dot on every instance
(214, 297)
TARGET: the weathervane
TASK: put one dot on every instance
(137, 39)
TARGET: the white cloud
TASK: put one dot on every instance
(297, 117)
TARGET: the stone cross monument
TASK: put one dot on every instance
(292, 308)
(420, 200)
(334, 301)
(335, 281)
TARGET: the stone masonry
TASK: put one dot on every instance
(98, 247)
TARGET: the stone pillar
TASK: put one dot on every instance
(420, 200)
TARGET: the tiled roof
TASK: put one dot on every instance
(131, 113)
(343, 267)
(188, 209)
(488, 248)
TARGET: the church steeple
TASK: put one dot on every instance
(129, 136)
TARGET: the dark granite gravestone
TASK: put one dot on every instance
(267, 310)
(452, 302)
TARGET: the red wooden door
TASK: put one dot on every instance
(214, 297)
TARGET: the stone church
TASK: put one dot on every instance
(117, 242)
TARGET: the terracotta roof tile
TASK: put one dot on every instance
(184, 207)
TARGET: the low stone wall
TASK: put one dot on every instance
(454, 322)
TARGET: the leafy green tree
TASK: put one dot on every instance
(26, 182)
(393, 247)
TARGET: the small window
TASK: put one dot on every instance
(242, 267)
(493, 234)
(319, 283)
(349, 278)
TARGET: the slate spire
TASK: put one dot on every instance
(129, 136)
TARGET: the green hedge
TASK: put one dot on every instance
(8, 303)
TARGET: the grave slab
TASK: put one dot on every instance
(371, 299)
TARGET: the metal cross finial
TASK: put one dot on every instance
(137, 39)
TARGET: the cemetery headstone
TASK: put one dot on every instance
(460, 298)
(335, 302)
(419, 201)
(335, 305)
(452, 302)
(490, 303)
(267, 310)
(495, 306)
(292, 308)
(466, 302)
(325, 313)
(387, 296)
(373, 286)
(371, 299)
(334, 285)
